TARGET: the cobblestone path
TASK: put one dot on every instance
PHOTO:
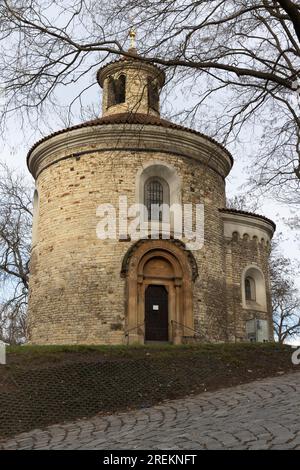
(259, 415)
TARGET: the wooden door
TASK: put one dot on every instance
(156, 313)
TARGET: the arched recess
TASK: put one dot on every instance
(153, 94)
(258, 300)
(121, 89)
(161, 263)
(116, 90)
(170, 180)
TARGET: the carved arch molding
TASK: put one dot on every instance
(160, 262)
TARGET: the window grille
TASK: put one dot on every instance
(154, 197)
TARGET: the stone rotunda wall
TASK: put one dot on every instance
(84, 290)
(77, 294)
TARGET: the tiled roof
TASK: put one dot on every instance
(251, 214)
(130, 118)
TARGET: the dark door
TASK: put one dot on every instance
(156, 313)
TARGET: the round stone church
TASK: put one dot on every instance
(95, 280)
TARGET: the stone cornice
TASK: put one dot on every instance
(128, 137)
(123, 65)
(245, 223)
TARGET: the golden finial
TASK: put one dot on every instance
(132, 35)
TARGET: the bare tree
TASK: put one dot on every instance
(15, 240)
(286, 315)
(243, 202)
(238, 61)
(13, 315)
(285, 297)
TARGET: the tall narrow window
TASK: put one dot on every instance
(154, 198)
(111, 92)
(250, 288)
(120, 89)
(116, 90)
(153, 95)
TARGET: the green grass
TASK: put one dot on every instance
(35, 351)
(32, 356)
(64, 348)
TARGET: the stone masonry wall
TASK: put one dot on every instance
(240, 253)
(76, 292)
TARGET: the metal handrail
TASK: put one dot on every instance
(202, 335)
(196, 332)
(126, 332)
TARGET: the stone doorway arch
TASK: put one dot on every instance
(162, 263)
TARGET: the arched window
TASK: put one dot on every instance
(250, 288)
(120, 89)
(168, 194)
(254, 296)
(153, 94)
(111, 94)
(154, 198)
(116, 90)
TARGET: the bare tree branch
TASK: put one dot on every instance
(239, 61)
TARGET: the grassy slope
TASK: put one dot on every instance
(42, 385)
(264, 357)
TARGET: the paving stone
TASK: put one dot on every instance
(260, 415)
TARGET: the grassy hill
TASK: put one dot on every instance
(42, 385)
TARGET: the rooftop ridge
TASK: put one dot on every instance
(129, 118)
(246, 213)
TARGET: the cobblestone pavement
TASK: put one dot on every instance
(260, 415)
